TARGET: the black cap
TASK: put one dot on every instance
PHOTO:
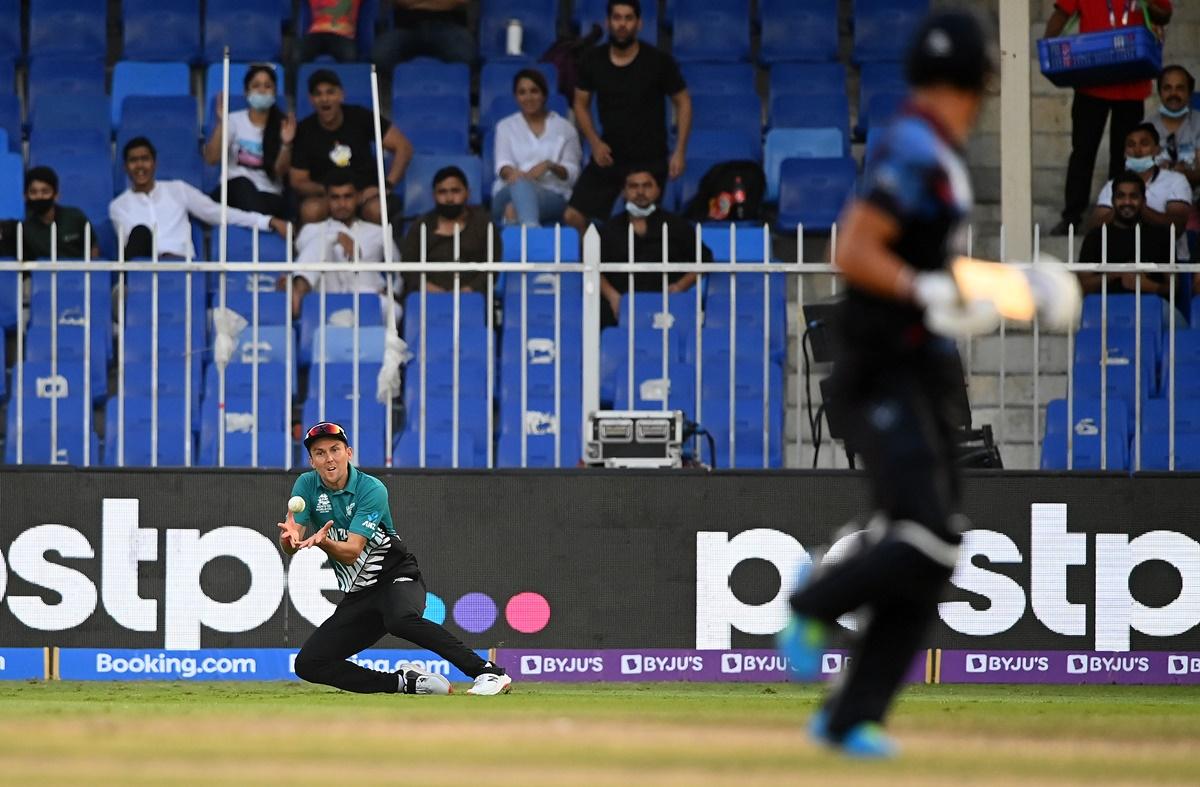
(324, 429)
(951, 48)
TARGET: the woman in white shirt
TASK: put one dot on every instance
(537, 157)
(260, 146)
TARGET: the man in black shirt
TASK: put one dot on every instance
(42, 211)
(629, 78)
(337, 135)
(429, 28)
(642, 192)
(1128, 198)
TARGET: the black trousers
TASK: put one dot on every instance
(1089, 115)
(896, 576)
(242, 194)
(360, 620)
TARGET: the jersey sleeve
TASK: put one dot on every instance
(672, 77)
(586, 77)
(299, 488)
(905, 180)
(1104, 198)
(369, 512)
(1180, 191)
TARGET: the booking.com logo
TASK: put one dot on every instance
(526, 612)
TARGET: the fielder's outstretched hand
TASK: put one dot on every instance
(291, 533)
(317, 537)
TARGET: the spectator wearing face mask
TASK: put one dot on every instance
(1168, 195)
(451, 216)
(42, 213)
(643, 189)
(260, 146)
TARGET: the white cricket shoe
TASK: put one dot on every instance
(418, 681)
(489, 684)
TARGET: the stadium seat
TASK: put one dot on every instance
(718, 79)
(549, 362)
(71, 112)
(133, 445)
(812, 192)
(439, 326)
(147, 79)
(12, 200)
(56, 76)
(724, 144)
(165, 114)
(538, 25)
(436, 123)
(741, 112)
(339, 308)
(239, 381)
(1122, 312)
(272, 306)
(418, 181)
(798, 31)
(878, 78)
(68, 345)
(748, 438)
(176, 378)
(336, 344)
(274, 444)
(712, 31)
(10, 123)
(1086, 440)
(74, 28)
(10, 283)
(162, 30)
(90, 180)
(356, 84)
(243, 244)
(806, 79)
(34, 437)
(70, 306)
(878, 110)
(439, 422)
(799, 143)
(744, 241)
(10, 29)
(364, 35)
(652, 391)
(540, 244)
(252, 29)
(426, 76)
(438, 450)
(595, 12)
(40, 385)
(645, 312)
(496, 79)
(884, 28)
(368, 433)
(538, 432)
(1121, 356)
(1156, 452)
(829, 110)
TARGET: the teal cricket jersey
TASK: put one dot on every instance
(362, 508)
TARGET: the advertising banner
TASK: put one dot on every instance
(587, 560)
(23, 664)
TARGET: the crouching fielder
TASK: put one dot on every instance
(385, 593)
(895, 371)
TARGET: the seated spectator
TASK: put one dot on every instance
(537, 157)
(42, 212)
(340, 136)
(426, 28)
(260, 146)
(1128, 201)
(451, 216)
(150, 211)
(342, 237)
(643, 189)
(1168, 195)
(332, 31)
(1178, 126)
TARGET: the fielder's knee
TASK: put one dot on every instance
(308, 667)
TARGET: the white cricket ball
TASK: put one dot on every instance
(296, 504)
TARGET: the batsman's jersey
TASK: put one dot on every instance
(917, 175)
(362, 508)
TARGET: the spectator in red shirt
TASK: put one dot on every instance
(1092, 105)
(332, 31)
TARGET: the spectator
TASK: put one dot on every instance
(537, 157)
(629, 78)
(1128, 200)
(643, 189)
(1168, 195)
(1178, 126)
(1091, 106)
(429, 28)
(332, 32)
(342, 237)
(339, 135)
(150, 212)
(42, 212)
(260, 145)
(452, 216)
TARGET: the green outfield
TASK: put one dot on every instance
(546, 734)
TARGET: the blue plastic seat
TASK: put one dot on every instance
(1156, 452)
(1086, 441)
(828, 110)
(879, 78)
(496, 79)
(167, 114)
(370, 312)
(10, 123)
(90, 178)
(718, 79)
(539, 430)
(71, 112)
(595, 12)
(806, 79)
(368, 434)
(339, 344)
(148, 79)
(70, 350)
(798, 31)
(540, 244)
(12, 171)
(364, 33)
(239, 381)
(40, 389)
(547, 365)
(1121, 357)
(438, 450)
(10, 29)
(652, 391)
(1122, 312)
(274, 442)
(252, 29)
(272, 306)
(741, 112)
(538, 23)
(884, 28)
(799, 143)
(427, 76)
(812, 192)
(751, 321)
(10, 283)
(748, 438)
(71, 306)
(439, 327)
(418, 181)
(712, 31)
(724, 144)
(56, 76)
(439, 428)
(356, 84)
(162, 30)
(74, 28)
(435, 124)
(174, 447)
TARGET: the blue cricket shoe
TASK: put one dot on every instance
(864, 741)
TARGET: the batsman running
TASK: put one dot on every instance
(385, 593)
(896, 371)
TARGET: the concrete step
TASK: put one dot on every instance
(983, 390)
(1015, 352)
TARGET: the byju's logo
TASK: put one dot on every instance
(834, 663)
(731, 663)
(639, 663)
(534, 664)
(976, 662)
(1183, 665)
(1082, 664)
(531, 665)
(981, 662)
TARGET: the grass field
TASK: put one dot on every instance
(545, 734)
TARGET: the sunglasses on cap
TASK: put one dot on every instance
(325, 429)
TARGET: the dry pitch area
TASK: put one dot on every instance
(543, 734)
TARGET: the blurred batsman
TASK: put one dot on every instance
(385, 592)
(895, 377)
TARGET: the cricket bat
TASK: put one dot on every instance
(1045, 290)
